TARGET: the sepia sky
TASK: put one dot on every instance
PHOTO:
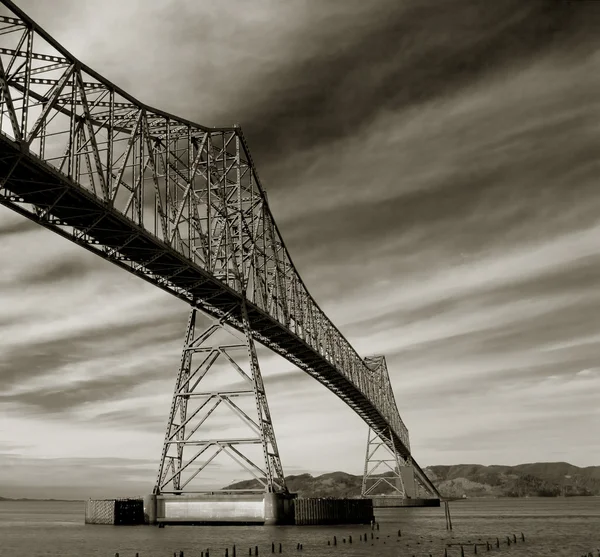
(433, 166)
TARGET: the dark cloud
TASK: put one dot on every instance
(47, 401)
(17, 226)
(62, 270)
(45, 358)
(410, 53)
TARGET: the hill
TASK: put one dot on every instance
(542, 479)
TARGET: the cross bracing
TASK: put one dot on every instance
(179, 204)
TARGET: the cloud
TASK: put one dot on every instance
(432, 168)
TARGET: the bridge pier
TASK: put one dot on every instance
(150, 509)
(279, 508)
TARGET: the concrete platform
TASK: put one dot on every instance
(243, 508)
(220, 508)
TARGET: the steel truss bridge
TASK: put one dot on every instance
(181, 206)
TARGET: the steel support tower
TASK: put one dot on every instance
(187, 449)
(383, 470)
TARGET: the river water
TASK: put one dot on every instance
(552, 527)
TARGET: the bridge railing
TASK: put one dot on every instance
(194, 188)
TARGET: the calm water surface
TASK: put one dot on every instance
(552, 527)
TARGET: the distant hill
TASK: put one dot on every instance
(542, 479)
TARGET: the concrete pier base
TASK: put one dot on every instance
(221, 508)
(279, 508)
(150, 509)
(242, 508)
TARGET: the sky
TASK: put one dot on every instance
(432, 166)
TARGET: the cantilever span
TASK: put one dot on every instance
(176, 203)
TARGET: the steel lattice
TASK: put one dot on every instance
(192, 406)
(176, 203)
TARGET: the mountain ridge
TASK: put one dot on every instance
(537, 479)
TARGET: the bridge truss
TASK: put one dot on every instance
(173, 202)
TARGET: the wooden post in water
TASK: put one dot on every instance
(448, 517)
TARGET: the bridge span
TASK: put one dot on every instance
(178, 204)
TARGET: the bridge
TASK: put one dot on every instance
(181, 206)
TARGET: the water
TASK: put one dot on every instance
(557, 527)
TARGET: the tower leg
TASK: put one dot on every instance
(188, 448)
